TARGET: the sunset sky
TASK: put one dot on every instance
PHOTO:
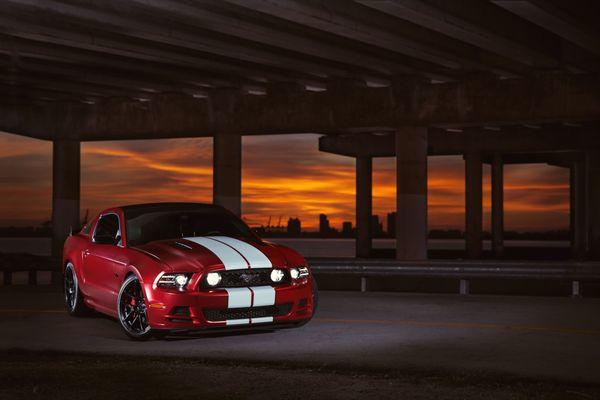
(282, 176)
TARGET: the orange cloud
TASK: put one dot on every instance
(282, 176)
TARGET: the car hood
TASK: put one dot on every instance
(197, 254)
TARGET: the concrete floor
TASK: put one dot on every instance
(533, 337)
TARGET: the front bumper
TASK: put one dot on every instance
(170, 310)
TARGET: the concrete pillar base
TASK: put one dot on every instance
(411, 193)
(66, 165)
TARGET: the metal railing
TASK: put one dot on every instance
(461, 270)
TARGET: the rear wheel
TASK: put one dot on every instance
(73, 297)
(132, 309)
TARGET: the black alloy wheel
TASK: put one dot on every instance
(132, 309)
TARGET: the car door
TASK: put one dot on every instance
(104, 261)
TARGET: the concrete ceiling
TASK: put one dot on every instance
(85, 50)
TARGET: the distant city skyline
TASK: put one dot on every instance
(286, 179)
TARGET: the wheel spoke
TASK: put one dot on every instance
(133, 309)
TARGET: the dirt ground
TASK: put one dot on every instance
(49, 375)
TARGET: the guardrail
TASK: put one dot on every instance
(462, 270)
(11, 263)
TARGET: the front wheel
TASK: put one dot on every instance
(132, 309)
(73, 297)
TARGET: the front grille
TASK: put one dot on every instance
(249, 312)
(247, 277)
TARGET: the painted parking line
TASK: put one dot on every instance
(463, 325)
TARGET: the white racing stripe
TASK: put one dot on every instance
(263, 296)
(254, 256)
(239, 297)
(230, 258)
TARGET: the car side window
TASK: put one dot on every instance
(107, 230)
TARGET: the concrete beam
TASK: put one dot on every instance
(66, 161)
(227, 172)
(320, 17)
(480, 24)
(552, 97)
(532, 145)
(364, 206)
(411, 193)
(552, 18)
(211, 16)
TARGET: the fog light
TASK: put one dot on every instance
(294, 273)
(213, 278)
(277, 275)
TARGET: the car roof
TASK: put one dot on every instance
(134, 210)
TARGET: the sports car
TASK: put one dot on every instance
(178, 267)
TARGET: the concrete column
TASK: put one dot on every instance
(66, 162)
(578, 209)
(473, 204)
(364, 205)
(593, 205)
(227, 172)
(411, 193)
(497, 205)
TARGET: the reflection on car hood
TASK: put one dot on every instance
(194, 254)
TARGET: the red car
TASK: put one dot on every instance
(177, 267)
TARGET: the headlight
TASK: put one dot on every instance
(213, 278)
(277, 275)
(178, 281)
(299, 272)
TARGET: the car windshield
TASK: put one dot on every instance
(145, 227)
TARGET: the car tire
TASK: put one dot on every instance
(74, 301)
(131, 309)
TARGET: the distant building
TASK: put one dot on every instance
(294, 226)
(347, 228)
(376, 227)
(324, 227)
(391, 224)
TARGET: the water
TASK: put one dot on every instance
(309, 247)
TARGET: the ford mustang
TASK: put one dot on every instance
(179, 267)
